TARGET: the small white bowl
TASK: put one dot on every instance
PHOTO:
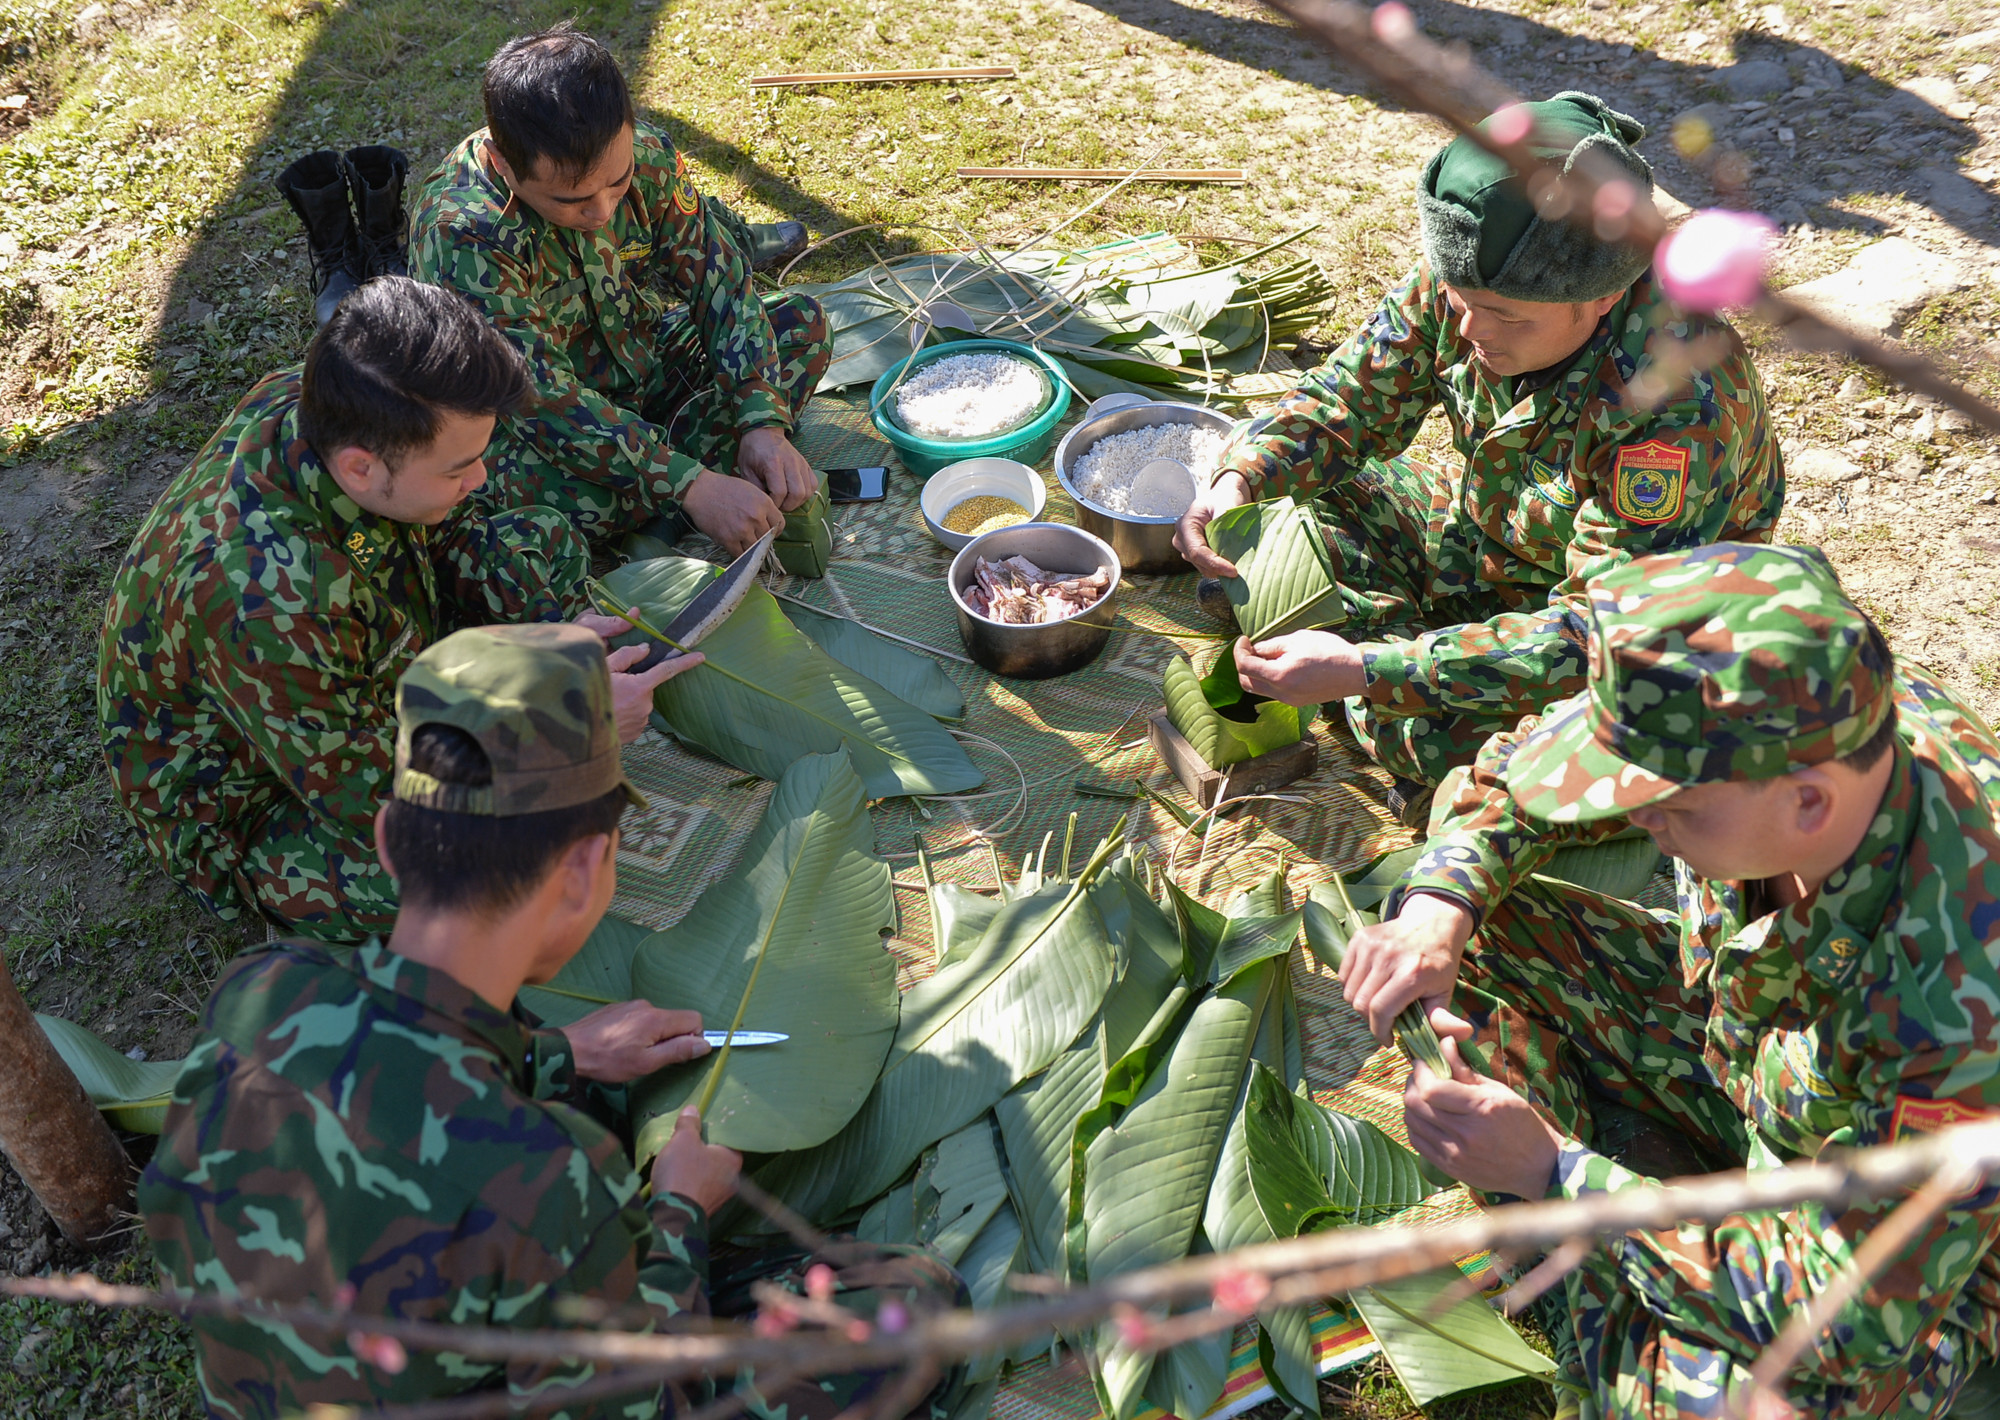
(975, 478)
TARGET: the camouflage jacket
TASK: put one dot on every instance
(1565, 474)
(355, 1124)
(253, 639)
(1856, 1017)
(585, 307)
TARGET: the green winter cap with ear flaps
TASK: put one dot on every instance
(1482, 233)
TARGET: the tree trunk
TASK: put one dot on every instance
(52, 1133)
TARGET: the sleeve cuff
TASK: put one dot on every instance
(1387, 671)
(552, 1064)
(680, 1231)
(671, 472)
(758, 406)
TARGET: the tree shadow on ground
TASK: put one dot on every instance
(1853, 137)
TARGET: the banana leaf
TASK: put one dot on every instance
(1038, 1117)
(1231, 1219)
(1285, 578)
(768, 694)
(1215, 946)
(1147, 1177)
(598, 975)
(1188, 1379)
(1312, 1168)
(1467, 1348)
(1330, 920)
(995, 1255)
(1620, 868)
(132, 1094)
(969, 1033)
(959, 1187)
(1221, 741)
(915, 678)
(891, 1219)
(809, 904)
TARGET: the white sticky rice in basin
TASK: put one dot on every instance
(970, 396)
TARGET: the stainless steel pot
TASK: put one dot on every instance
(1142, 544)
(1043, 649)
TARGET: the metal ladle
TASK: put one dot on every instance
(1163, 489)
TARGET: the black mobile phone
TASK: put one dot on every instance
(857, 485)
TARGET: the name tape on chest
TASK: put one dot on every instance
(1649, 482)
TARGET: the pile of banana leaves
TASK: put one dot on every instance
(1101, 1074)
(1138, 315)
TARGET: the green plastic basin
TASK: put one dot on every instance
(1026, 443)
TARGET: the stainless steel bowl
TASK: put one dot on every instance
(1044, 649)
(1142, 544)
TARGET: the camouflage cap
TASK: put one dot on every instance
(1727, 663)
(537, 698)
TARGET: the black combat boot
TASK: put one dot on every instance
(316, 188)
(376, 175)
(773, 243)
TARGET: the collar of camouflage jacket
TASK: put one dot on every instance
(1827, 934)
(1591, 378)
(449, 1007)
(364, 537)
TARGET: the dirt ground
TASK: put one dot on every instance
(147, 274)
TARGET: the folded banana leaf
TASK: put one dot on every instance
(1285, 578)
(1313, 1168)
(1219, 740)
(791, 941)
(1464, 1349)
(805, 545)
(768, 695)
(132, 1094)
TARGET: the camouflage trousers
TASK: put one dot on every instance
(604, 498)
(1378, 524)
(308, 873)
(1578, 1002)
(872, 1281)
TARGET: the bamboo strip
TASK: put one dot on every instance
(1235, 177)
(882, 76)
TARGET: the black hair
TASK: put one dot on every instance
(475, 862)
(557, 94)
(394, 359)
(1878, 744)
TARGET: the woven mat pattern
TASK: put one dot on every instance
(1035, 740)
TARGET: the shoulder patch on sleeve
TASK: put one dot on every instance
(685, 197)
(1649, 482)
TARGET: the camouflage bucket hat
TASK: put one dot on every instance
(537, 698)
(1729, 663)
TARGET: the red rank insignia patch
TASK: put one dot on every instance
(1915, 1116)
(1649, 482)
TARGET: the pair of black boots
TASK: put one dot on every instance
(352, 207)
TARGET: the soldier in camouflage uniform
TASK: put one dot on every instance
(657, 368)
(1826, 984)
(385, 1130)
(271, 597)
(1540, 345)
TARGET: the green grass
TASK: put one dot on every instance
(75, 1363)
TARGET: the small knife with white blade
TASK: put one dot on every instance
(746, 1038)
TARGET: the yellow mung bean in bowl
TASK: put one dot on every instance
(983, 514)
